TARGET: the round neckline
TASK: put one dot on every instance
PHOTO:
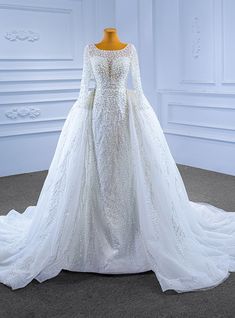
(110, 50)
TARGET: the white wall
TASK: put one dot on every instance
(195, 71)
(41, 46)
(133, 20)
(186, 51)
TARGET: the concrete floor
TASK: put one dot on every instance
(71, 295)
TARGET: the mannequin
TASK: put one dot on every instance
(110, 41)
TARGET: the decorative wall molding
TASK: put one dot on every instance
(41, 62)
(195, 92)
(39, 97)
(40, 80)
(196, 45)
(208, 117)
(199, 136)
(172, 104)
(65, 21)
(197, 65)
(32, 131)
(51, 90)
(34, 121)
(63, 86)
(198, 124)
(24, 112)
(22, 35)
(43, 8)
(32, 127)
(38, 102)
(228, 64)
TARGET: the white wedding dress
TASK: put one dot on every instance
(113, 200)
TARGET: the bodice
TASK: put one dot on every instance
(110, 70)
(110, 67)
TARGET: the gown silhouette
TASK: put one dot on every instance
(113, 200)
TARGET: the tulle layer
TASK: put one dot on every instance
(32, 243)
(190, 245)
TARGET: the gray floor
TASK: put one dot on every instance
(71, 295)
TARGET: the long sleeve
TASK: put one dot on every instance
(86, 76)
(136, 78)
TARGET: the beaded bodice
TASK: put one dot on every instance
(110, 69)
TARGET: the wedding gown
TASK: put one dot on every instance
(113, 200)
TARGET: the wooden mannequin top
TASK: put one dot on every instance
(110, 41)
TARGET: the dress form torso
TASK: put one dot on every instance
(110, 41)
